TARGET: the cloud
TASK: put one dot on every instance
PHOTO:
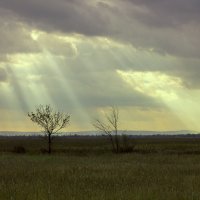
(15, 38)
(89, 79)
(90, 74)
(56, 45)
(3, 75)
(68, 52)
(98, 90)
(166, 14)
(67, 16)
(170, 27)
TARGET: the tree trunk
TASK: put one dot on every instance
(112, 142)
(117, 141)
(49, 143)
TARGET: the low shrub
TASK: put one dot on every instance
(126, 145)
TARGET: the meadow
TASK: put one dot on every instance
(81, 168)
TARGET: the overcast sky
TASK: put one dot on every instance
(83, 56)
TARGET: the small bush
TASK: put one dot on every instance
(126, 147)
(19, 149)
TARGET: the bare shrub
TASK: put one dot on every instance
(120, 143)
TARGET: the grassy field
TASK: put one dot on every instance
(84, 168)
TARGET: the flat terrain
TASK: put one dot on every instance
(85, 168)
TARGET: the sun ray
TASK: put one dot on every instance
(65, 86)
(168, 90)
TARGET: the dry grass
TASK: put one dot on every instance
(161, 174)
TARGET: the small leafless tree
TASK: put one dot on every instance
(51, 121)
(110, 128)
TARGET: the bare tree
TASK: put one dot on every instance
(110, 128)
(51, 121)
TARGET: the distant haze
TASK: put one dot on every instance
(97, 133)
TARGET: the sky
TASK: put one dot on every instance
(84, 56)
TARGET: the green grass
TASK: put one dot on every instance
(163, 173)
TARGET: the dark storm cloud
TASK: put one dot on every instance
(14, 38)
(167, 26)
(66, 16)
(168, 13)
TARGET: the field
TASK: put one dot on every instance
(83, 168)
